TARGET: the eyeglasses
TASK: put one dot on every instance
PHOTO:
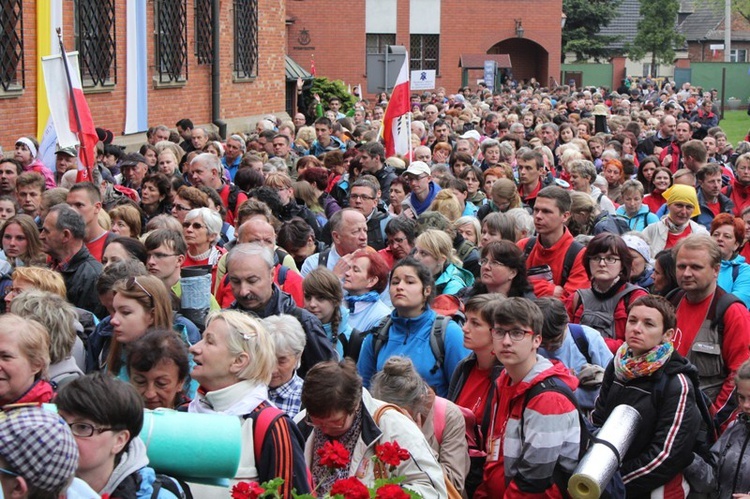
(412, 178)
(194, 225)
(397, 240)
(609, 259)
(86, 430)
(134, 281)
(356, 197)
(161, 256)
(336, 425)
(515, 334)
(8, 472)
(179, 207)
(491, 263)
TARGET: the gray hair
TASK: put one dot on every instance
(69, 219)
(251, 249)
(399, 383)
(584, 168)
(523, 221)
(211, 161)
(489, 143)
(55, 314)
(210, 218)
(118, 271)
(239, 139)
(287, 334)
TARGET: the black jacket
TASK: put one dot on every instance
(318, 347)
(670, 423)
(385, 176)
(292, 209)
(80, 275)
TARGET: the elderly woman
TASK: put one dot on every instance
(59, 319)
(441, 421)
(604, 306)
(582, 177)
(670, 418)
(365, 279)
(20, 241)
(202, 229)
(285, 388)
(491, 153)
(25, 347)
(434, 249)
(642, 270)
(400, 233)
(682, 205)
(235, 361)
(469, 229)
(158, 367)
(338, 408)
(734, 277)
(637, 213)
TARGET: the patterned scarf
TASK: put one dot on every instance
(324, 477)
(672, 227)
(628, 366)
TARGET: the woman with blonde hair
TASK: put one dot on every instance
(503, 197)
(305, 137)
(434, 249)
(235, 361)
(446, 203)
(126, 220)
(304, 192)
(26, 342)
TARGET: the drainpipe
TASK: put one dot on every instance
(215, 71)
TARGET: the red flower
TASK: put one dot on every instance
(334, 455)
(350, 488)
(390, 453)
(247, 490)
(392, 491)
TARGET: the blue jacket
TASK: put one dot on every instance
(410, 337)
(452, 280)
(740, 287)
(640, 220)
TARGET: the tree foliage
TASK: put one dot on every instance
(333, 88)
(657, 32)
(585, 18)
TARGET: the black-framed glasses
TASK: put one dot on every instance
(515, 334)
(179, 207)
(355, 197)
(8, 472)
(160, 256)
(86, 430)
(609, 259)
(194, 225)
(133, 281)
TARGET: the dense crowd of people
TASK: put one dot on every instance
(538, 257)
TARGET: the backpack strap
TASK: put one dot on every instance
(570, 258)
(735, 273)
(437, 341)
(263, 421)
(323, 258)
(529, 246)
(723, 302)
(281, 276)
(438, 418)
(380, 335)
(353, 345)
(234, 194)
(579, 336)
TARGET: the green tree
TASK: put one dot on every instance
(657, 32)
(585, 18)
(333, 88)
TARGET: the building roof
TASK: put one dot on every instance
(624, 25)
(706, 23)
(294, 71)
(476, 61)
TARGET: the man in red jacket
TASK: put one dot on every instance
(739, 190)
(547, 252)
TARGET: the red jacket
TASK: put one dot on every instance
(739, 194)
(654, 201)
(292, 285)
(554, 256)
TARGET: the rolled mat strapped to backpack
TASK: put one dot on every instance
(174, 441)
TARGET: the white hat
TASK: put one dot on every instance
(418, 168)
(472, 134)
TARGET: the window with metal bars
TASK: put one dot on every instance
(425, 52)
(245, 38)
(376, 42)
(170, 20)
(95, 41)
(12, 74)
(203, 31)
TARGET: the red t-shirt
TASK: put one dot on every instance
(672, 239)
(714, 207)
(96, 247)
(474, 393)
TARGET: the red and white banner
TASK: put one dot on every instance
(62, 103)
(397, 121)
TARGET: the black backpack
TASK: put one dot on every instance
(437, 339)
(615, 489)
(179, 488)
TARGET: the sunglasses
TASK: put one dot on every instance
(133, 281)
(194, 225)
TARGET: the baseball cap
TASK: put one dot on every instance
(472, 134)
(68, 151)
(38, 445)
(418, 168)
(132, 159)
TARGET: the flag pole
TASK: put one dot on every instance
(64, 56)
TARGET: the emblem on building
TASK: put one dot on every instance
(304, 37)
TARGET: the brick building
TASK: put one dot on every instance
(703, 29)
(178, 49)
(437, 34)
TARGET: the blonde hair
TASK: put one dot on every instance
(42, 279)
(55, 314)
(439, 245)
(175, 149)
(248, 335)
(278, 181)
(307, 135)
(33, 340)
(446, 203)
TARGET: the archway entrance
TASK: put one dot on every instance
(529, 59)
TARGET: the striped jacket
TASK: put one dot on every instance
(664, 443)
(520, 463)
